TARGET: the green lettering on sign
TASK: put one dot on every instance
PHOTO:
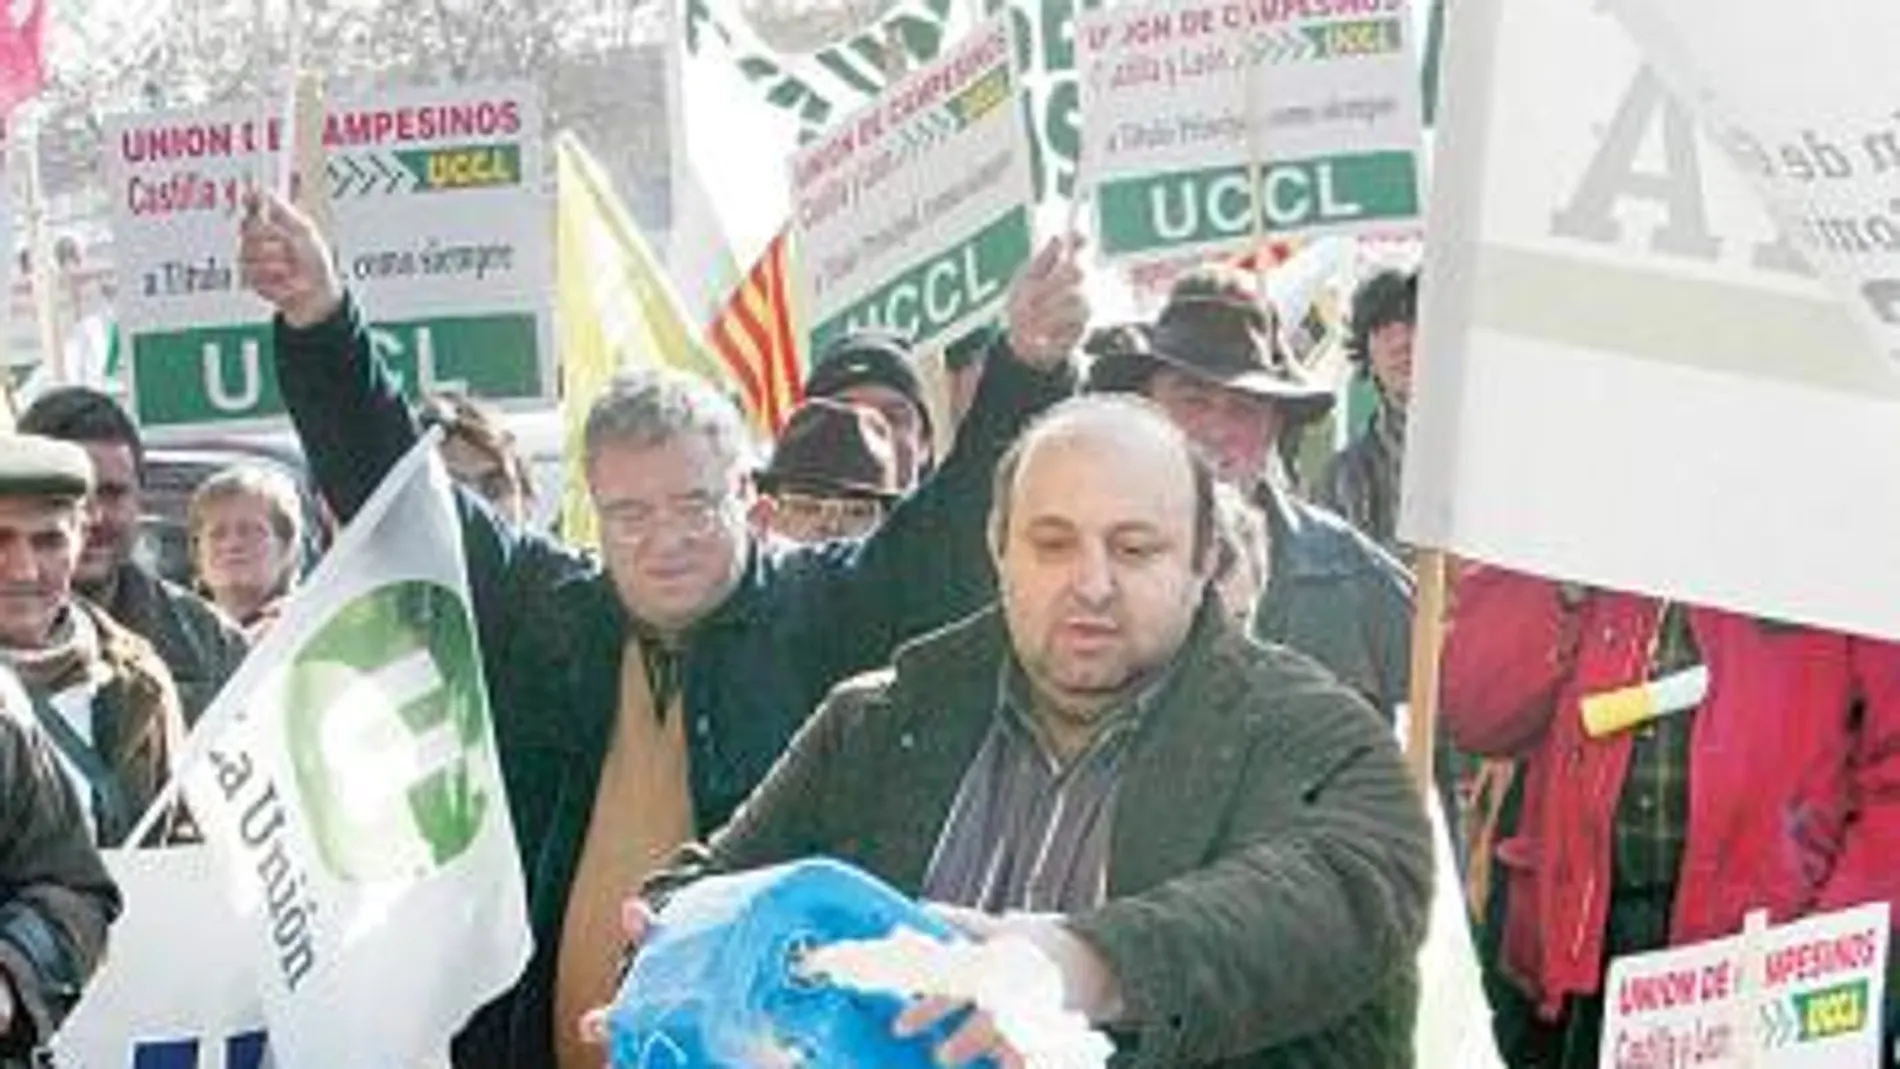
(227, 375)
(1832, 1011)
(1155, 213)
(463, 166)
(388, 727)
(927, 299)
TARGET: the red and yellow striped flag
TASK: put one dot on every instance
(753, 337)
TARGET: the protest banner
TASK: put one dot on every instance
(1811, 997)
(914, 213)
(1627, 377)
(441, 229)
(136, 1014)
(738, 108)
(1196, 114)
(1814, 138)
(347, 779)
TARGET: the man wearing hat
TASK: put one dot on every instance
(871, 369)
(1214, 362)
(833, 474)
(200, 646)
(102, 695)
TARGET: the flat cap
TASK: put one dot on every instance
(33, 466)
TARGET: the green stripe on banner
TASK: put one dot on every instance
(227, 374)
(929, 297)
(1183, 209)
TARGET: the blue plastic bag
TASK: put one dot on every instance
(715, 985)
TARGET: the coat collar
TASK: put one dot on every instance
(743, 605)
(1165, 821)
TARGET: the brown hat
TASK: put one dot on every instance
(34, 466)
(832, 447)
(1215, 329)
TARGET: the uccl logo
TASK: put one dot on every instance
(388, 732)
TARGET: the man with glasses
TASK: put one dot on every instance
(637, 704)
(834, 474)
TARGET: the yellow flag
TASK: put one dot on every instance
(616, 308)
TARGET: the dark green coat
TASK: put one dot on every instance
(1270, 865)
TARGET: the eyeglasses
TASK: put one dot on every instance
(827, 517)
(833, 513)
(634, 522)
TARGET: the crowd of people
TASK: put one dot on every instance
(1100, 676)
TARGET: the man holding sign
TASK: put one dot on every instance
(636, 705)
(1683, 765)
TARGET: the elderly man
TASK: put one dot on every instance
(1213, 841)
(833, 474)
(1214, 361)
(199, 645)
(635, 706)
(55, 897)
(100, 692)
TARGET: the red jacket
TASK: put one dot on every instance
(1794, 777)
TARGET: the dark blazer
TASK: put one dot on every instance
(1270, 865)
(552, 629)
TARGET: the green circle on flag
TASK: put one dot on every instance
(387, 724)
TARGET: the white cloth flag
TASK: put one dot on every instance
(139, 1011)
(347, 778)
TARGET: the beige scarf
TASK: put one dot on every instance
(643, 812)
(71, 657)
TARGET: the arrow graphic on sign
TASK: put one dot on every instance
(368, 174)
(1285, 46)
(1778, 1024)
(343, 174)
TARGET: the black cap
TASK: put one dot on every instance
(35, 466)
(868, 358)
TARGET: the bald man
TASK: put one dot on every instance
(1214, 842)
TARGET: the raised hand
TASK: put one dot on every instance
(287, 262)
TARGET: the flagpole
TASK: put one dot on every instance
(1078, 188)
(40, 240)
(264, 151)
(1428, 643)
(1256, 170)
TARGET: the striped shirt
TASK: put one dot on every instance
(1028, 831)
